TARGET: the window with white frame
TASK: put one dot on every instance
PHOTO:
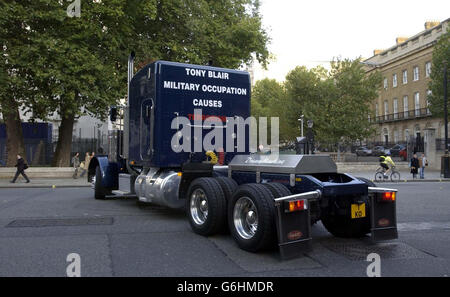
(428, 101)
(416, 73)
(386, 109)
(417, 103)
(385, 83)
(395, 103)
(406, 135)
(405, 107)
(376, 110)
(394, 80)
(427, 69)
(405, 77)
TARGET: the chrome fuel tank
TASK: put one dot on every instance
(160, 187)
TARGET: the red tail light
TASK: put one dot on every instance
(388, 196)
(296, 205)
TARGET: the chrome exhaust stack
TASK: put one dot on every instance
(126, 115)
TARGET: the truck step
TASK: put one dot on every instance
(119, 193)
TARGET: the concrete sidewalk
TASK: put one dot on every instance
(45, 183)
(405, 176)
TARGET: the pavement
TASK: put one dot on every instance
(405, 176)
(41, 229)
(45, 183)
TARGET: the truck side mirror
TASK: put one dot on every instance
(113, 114)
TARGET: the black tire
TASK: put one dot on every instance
(367, 181)
(395, 176)
(215, 220)
(265, 235)
(345, 226)
(379, 177)
(99, 190)
(228, 186)
(278, 190)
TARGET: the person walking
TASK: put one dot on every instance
(87, 160)
(21, 166)
(76, 165)
(423, 162)
(414, 164)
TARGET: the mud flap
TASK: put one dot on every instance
(294, 228)
(383, 215)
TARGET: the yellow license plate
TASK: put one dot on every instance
(358, 211)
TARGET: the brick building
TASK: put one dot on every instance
(401, 108)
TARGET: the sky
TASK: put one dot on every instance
(312, 32)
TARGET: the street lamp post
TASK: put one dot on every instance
(301, 125)
(310, 137)
(445, 108)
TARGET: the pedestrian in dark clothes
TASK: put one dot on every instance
(76, 165)
(21, 166)
(414, 165)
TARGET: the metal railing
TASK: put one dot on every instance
(404, 115)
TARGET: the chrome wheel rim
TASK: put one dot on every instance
(199, 206)
(245, 217)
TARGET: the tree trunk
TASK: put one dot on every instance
(14, 135)
(64, 145)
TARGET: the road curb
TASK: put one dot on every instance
(414, 181)
(44, 186)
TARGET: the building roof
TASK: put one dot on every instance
(417, 42)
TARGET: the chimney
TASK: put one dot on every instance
(431, 24)
(377, 51)
(399, 40)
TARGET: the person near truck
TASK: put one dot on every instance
(21, 166)
(414, 164)
(76, 165)
(386, 163)
(85, 164)
(423, 162)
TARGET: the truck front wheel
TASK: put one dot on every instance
(206, 206)
(251, 217)
(99, 190)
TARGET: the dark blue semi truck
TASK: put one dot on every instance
(264, 200)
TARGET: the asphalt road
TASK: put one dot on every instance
(39, 228)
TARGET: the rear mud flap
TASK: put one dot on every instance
(383, 219)
(293, 231)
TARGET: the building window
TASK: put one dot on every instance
(405, 77)
(385, 83)
(428, 101)
(427, 69)
(406, 135)
(395, 108)
(396, 136)
(376, 110)
(386, 109)
(405, 107)
(417, 103)
(394, 80)
(416, 73)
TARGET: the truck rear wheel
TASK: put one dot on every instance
(251, 217)
(228, 186)
(99, 190)
(278, 190)
(206, 206)
(344, 226)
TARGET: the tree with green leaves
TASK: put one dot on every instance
(338, 101)
(76, 66)
(441, 55)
